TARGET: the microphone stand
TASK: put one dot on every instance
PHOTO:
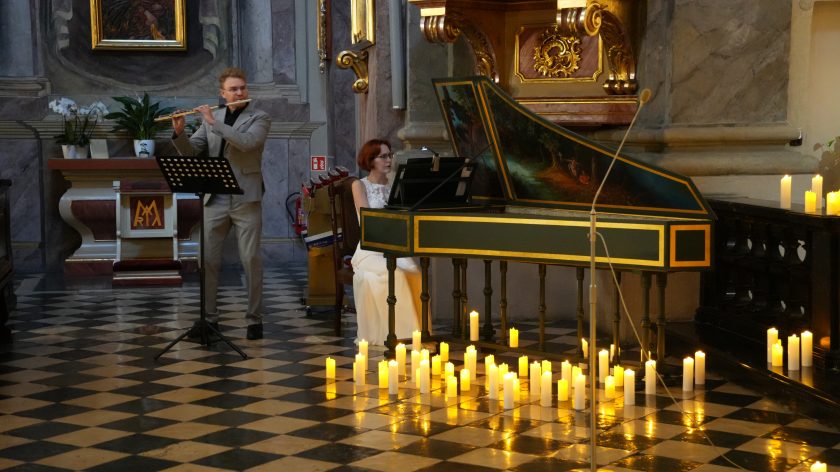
(644, 96)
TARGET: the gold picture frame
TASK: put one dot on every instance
(146, 25)
(362, 21)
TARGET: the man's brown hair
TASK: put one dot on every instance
(231, 72)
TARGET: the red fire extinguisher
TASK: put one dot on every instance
(300, 218)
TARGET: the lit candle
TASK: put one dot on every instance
(360, 369)
(772, 337)
(425, 385)
(700, 368)
(465, 380)
(424, 355)
(400, 350)
(383, 374)
(810, 202)
(393, 377)
(545, 388)
(816, 187)
(575, 372)
(688, 374)
(363, 349)
(330, 368)
(523, 367)
(508, 390)
(629, 387)
(444, 352)
(580, 392)
(650, 377)
(818, 467)
(618, 374)
(832, 203)
(416, 343)
(415, 364)
(778, 354)
(566, 371)
(436, 365)
(449, 370)
(503, 369)
(471, 361)
(535, 379)
(562, 391)
(451, 387)
(609, 387)
(807, 349)
(784, 200)
(493, 380)
(488, 361)
(603, 365)
(546, 366)
(513, 337)
(793, 352)
(473, 325)
(585, 346)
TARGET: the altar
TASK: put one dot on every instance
(90, 207)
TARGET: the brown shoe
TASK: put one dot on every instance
(255, 331)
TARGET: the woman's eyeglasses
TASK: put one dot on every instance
(389, 155)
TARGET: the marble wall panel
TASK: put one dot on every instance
(19, 163)
(730, 61)
(275, 176)
(654, 64)
(342, 100)
(283, 34)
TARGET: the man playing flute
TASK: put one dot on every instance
(236, 132)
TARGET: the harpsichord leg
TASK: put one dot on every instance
(503, 299)
(661, 282)
(424, 299)
(456, 297)
(487, 330)
(464, 300)
(541, 307)
(391, 340)
(617, 320)
(645, 316)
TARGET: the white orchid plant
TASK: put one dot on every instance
(78, 121)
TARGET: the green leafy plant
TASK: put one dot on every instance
(137, 117)
(78, 121)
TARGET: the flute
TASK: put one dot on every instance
(185, 113)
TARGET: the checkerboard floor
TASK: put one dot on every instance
(80, 390)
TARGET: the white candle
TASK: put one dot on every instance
(508, 390)
(424, 354)
(449, 370)
(503, 369)
(807, 349)
(393, 377)
(330, 368)
(493, 381)
(832, 203)
(444, 352)
(778, 354)
(513, 337)
(772, 337)
(575, 372)
(609, 387)
(784, 190)
(383, 374)
(451, 387)
(360, 369)
(700, 368)
(517, 389)
(488, 361)
(363, 349)
(545, 388)
(535, 379)
(580, 392)
(810, 202)
(546, 366)
(818, 467)
(650, 377)
(566, 371)
(523, 367)
(816, 187)
(688, 374)
(465, 380)
(400, 350)
(793, 352)
(585, 346)
(415, 364)
(473, 325)
(629, 387)
(425, 384)
(603, 365)
(471, 361)
(436, 366)
(618, 373)
(416, 343)
(562, 391)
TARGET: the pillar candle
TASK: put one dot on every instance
(416, 343)
(818, 467)
(793, 352)
(473, 325)
(383, 374)
(580, 392)
(436, 365)
(488, 361)
(629, 387)
(360, 368)
(465, 380)
(807, 349)
(523, 367)
(603, 365)
(330, 368)
(784, 190)
(393, 377)
(545, 388)
(688, 374)
(517, 389)
(444, 352)
(471, 361)
(650, 377)
(425, 384)
(363, 349)
(778, 354)
(546, 366)
(415, 364)
(400, 356)
(508, 390)
(810, 202)
(451, 386)
(585, 346)
(513, 337)
(772, 337)
(700, 368)
(493, 382)
(618, 374)
(535, 379)
(609, 387)
(503, 369)
(816, 187)
(562, 390)
(449, 369)
(566, 371)
(575, 372)
(832, 203)
(424, 355)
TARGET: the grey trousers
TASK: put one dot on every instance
(246, 219)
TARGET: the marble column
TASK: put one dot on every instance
(255, 42)
(19, 67)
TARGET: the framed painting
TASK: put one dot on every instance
(149, 25)
(362, 21)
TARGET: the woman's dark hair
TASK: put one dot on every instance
(369, 151)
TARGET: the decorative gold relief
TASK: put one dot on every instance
(447, 28)
(323, 45)
(358, 62)
(362, 21)
(557, 55)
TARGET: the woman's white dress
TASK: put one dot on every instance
(370, 285)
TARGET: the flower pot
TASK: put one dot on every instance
(144, 147)
(71, 151)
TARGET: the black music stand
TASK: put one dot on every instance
(200, 175)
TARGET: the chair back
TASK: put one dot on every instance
(344, 220)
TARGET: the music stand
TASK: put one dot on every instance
(437, 182)
(200, 175)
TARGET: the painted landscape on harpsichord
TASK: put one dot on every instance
(546, 166)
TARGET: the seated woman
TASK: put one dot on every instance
(370, 276)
